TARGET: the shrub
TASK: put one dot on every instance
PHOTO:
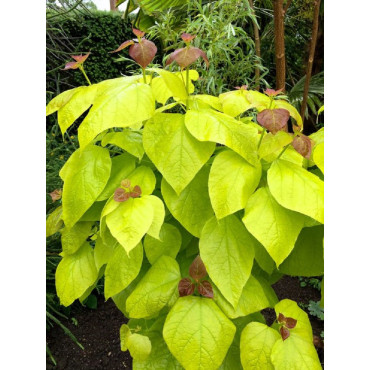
(98, 32)
(190, 216)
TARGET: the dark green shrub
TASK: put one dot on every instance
(98, 32)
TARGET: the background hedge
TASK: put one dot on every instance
(98, 32)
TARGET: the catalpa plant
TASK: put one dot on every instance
(190, 206)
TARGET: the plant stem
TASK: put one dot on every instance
(281, 153)
(187, 80)
(263, 133)
(84, 73)
(144, 74)
(187, 85)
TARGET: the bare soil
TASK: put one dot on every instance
(98, 332)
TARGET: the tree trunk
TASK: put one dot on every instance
(113, 5)
(257, 43)
(279, 44)
(311, 55)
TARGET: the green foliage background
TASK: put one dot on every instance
(98, 32)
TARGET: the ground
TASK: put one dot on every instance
(98, 332)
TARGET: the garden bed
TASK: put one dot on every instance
(98, 332)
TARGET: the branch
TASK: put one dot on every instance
(257, 43)
(279, 44)
(311, 56)
(287, 5)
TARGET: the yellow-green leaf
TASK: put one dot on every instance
(274, 226)
(85, 175)
(192, 208)
(103, 252)
(129, 222)
(122, 166)
(307, 257)
(60, 100)
(73, 238)
(145, 178)
(168, 244)
(128, 140)
(197, 333)
(155, 289)
(274, 143)
(235, 102)
(297, 189)
(227, 251)
(122, 269)
(256, 343)
(120, 106)
(158, 216)
(75, 274)
(256, 296)
(176, 154)
(318, 156)
(173, 82)
(232, 181)
(54, 222)
(295, 353)
(209, 125)
(76, 105)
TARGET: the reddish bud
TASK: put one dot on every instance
(274, 120)
(205, 289)
(284, 332)
(303, 145)
(186, 56)
(243, 87)
(126, 183)
(290, 323)
(120, 195)
(187, 37)
(79, 59)
(186, 287)
(138, 33)
(197, 269)
(136, 192)
(123, 45)
(272, 92)
(56, 194)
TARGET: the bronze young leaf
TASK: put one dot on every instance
(143, 52)
(205, 289)
(188, 55)
(303, 145)
(290, 323)
(136, 192)
(186, 287)
(285, 333)
(126, 183)
(56, 194)
(120, 195)
(197, 269)
(272, 92)
(79, 59)
(274, 120)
